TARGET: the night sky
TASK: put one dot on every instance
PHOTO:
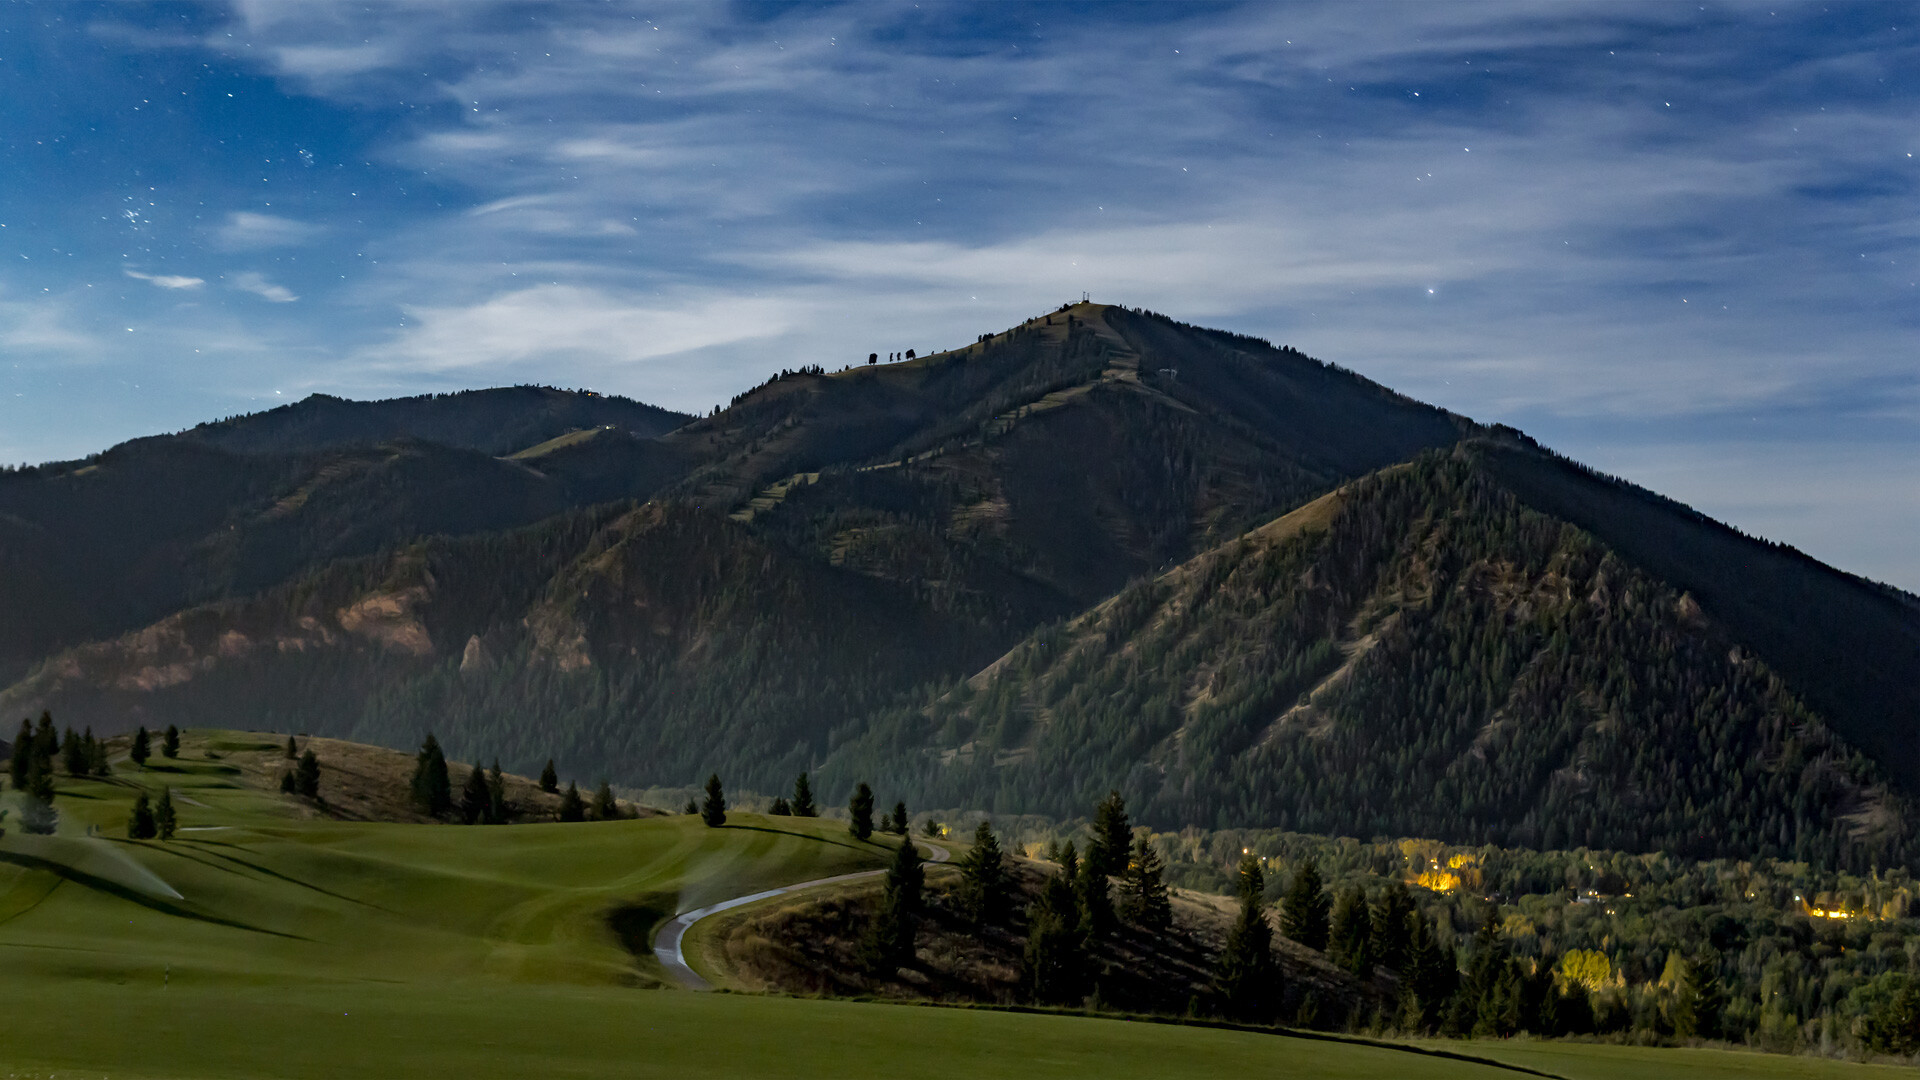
(1680, 243)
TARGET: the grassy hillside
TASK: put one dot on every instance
(262, 942)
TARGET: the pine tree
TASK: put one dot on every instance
(46, 743)
(1245, 977)
(1709, 995)
(572, 806)
(1391, 919)
(714, 810)
(888, 942)
(22, 760)
(475, 799)
(165, 821)
(549, 780)
(1144, 895)
(1433, 970)
(900, 826)
(692, 808)
(1350, 937)
(288, 785)
(140, 824)
(97, 754)
(1304, 919)
(984, 887)
(803, 798)
(170, 742)
(73, 755)
(37, 814)
(306, 775)
(142, 747)
(860, 812)
(605, 807)
(1112, 840)
(496, 795)
(293, 751)
(780, 808)
(1091, 892)
(432, 788)
(1054, 962)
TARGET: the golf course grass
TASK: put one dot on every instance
(265, 942)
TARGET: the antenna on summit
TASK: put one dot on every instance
(1086, 297)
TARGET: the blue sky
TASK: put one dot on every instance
(1680, 242)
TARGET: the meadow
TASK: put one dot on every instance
(265, 941)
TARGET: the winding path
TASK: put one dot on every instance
(667, 943)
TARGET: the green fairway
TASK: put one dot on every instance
(264, 942)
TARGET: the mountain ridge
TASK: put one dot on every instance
(803, 580)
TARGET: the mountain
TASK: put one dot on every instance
(496, 422)
(1103, 548)
(94, 548)
(1419, 653)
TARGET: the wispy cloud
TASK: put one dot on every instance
(246, 230)
(167, 281)
(258, 285)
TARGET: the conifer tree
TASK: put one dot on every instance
(74, 756)
(165, 821)
(1392, 914)
(1433, 975)
(1112, 841)
(888, 941)
(1054, 961)
(475, 799)
(46, 743)
(1144, 894)
(21, 762)
(496, 795)
(1350, 936)
(1245, 978)
(288, 785)
(605, 806)
(1090, 890)
(692, 808)
(803, 798)
(97, 754)
(142, 747)
(900, 826)
(170, 742)
(860, 812)
(572, 806)
(930, 827)
(140, 824)
(432, 788)
(306, 775)
(984, 888)
(780, 807)
(293, 751)
(549, 780)
(1304, 918)
(37, 815)
(714, 810)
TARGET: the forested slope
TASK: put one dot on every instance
(1419, 654)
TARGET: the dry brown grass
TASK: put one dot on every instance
(358, 782)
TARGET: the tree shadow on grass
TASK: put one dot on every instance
(114, 888)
